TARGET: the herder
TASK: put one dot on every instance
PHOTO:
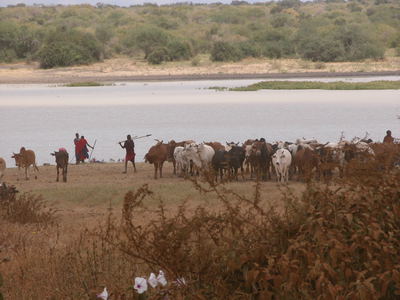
(129, 146)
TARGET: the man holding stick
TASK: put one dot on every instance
(129, 146)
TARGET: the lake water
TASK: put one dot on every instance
(44, 118)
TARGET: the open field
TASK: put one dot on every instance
(93, 188)
(338, 232)
(127, 69)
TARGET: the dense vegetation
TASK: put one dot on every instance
(330, 30)
(317, 85)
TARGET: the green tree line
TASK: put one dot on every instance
(328, 31)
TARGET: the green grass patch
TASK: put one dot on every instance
(315, 85)
(87, 83)
(218, 88)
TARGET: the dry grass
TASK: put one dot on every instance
(237, 241)
(117, 68)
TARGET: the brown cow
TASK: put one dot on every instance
(215, 145)
(306, 161)
(2, 167)
(24, 159)
(260, 159)
(157, 155)
(62, 158)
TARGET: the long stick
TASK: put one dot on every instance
(136, 137)
(91, 152)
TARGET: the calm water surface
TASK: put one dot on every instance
(44, 118)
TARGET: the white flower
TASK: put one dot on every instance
(161, 278)
(103, 295)
(153, 280)
(180, 281)
(140, 285)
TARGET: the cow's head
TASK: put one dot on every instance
(18, 158)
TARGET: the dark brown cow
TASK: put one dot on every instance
(157, 155)
(260, 159)
(307, 161)
(62, 158)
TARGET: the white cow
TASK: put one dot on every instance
(206, 154)
(200, 155)
(2, 168)
(281, 161)
(181, 163)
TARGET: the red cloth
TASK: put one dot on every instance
(130, 156)
(81, 149)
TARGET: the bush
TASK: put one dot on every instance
(147, 39)
(344, 43)
(223, 51)
(24, 209)
(327, 243)
(179, 50)
(69, 47)
(157, 56)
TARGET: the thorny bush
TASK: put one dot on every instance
(340, 242)
(337, 241)
(25, 208)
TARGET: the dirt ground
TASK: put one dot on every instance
(127, 69)
(94, 188)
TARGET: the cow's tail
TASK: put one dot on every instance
(35, 166)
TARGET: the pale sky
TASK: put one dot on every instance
(113, 2)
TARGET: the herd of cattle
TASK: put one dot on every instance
(301, 160)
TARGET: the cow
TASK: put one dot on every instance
(171, 147)
(220, 163)
(181, 163)
(236, 159)
(201, 155)
(247, 145)
(306, 160)
(62, 159)
(260, 159)
(281, 161)
(24, 159)
(2, 168)
(157, 155)
(215, 145)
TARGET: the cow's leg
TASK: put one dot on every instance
(58, 172)
(161, 165)
(26, 173)
(174, 164)
(155, 170)
(65, 170)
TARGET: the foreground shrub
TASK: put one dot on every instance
(329, 243)
(332, 242)
(66, 47)
(25, 208)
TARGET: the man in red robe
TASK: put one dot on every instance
(82, 150)
(129, 146)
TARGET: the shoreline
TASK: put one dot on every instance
(186, 77)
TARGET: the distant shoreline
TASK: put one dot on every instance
(186, 77)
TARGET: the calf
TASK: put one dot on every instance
(62, 158)
(281, 161)
(24, 159)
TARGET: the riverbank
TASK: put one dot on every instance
(127, 70)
